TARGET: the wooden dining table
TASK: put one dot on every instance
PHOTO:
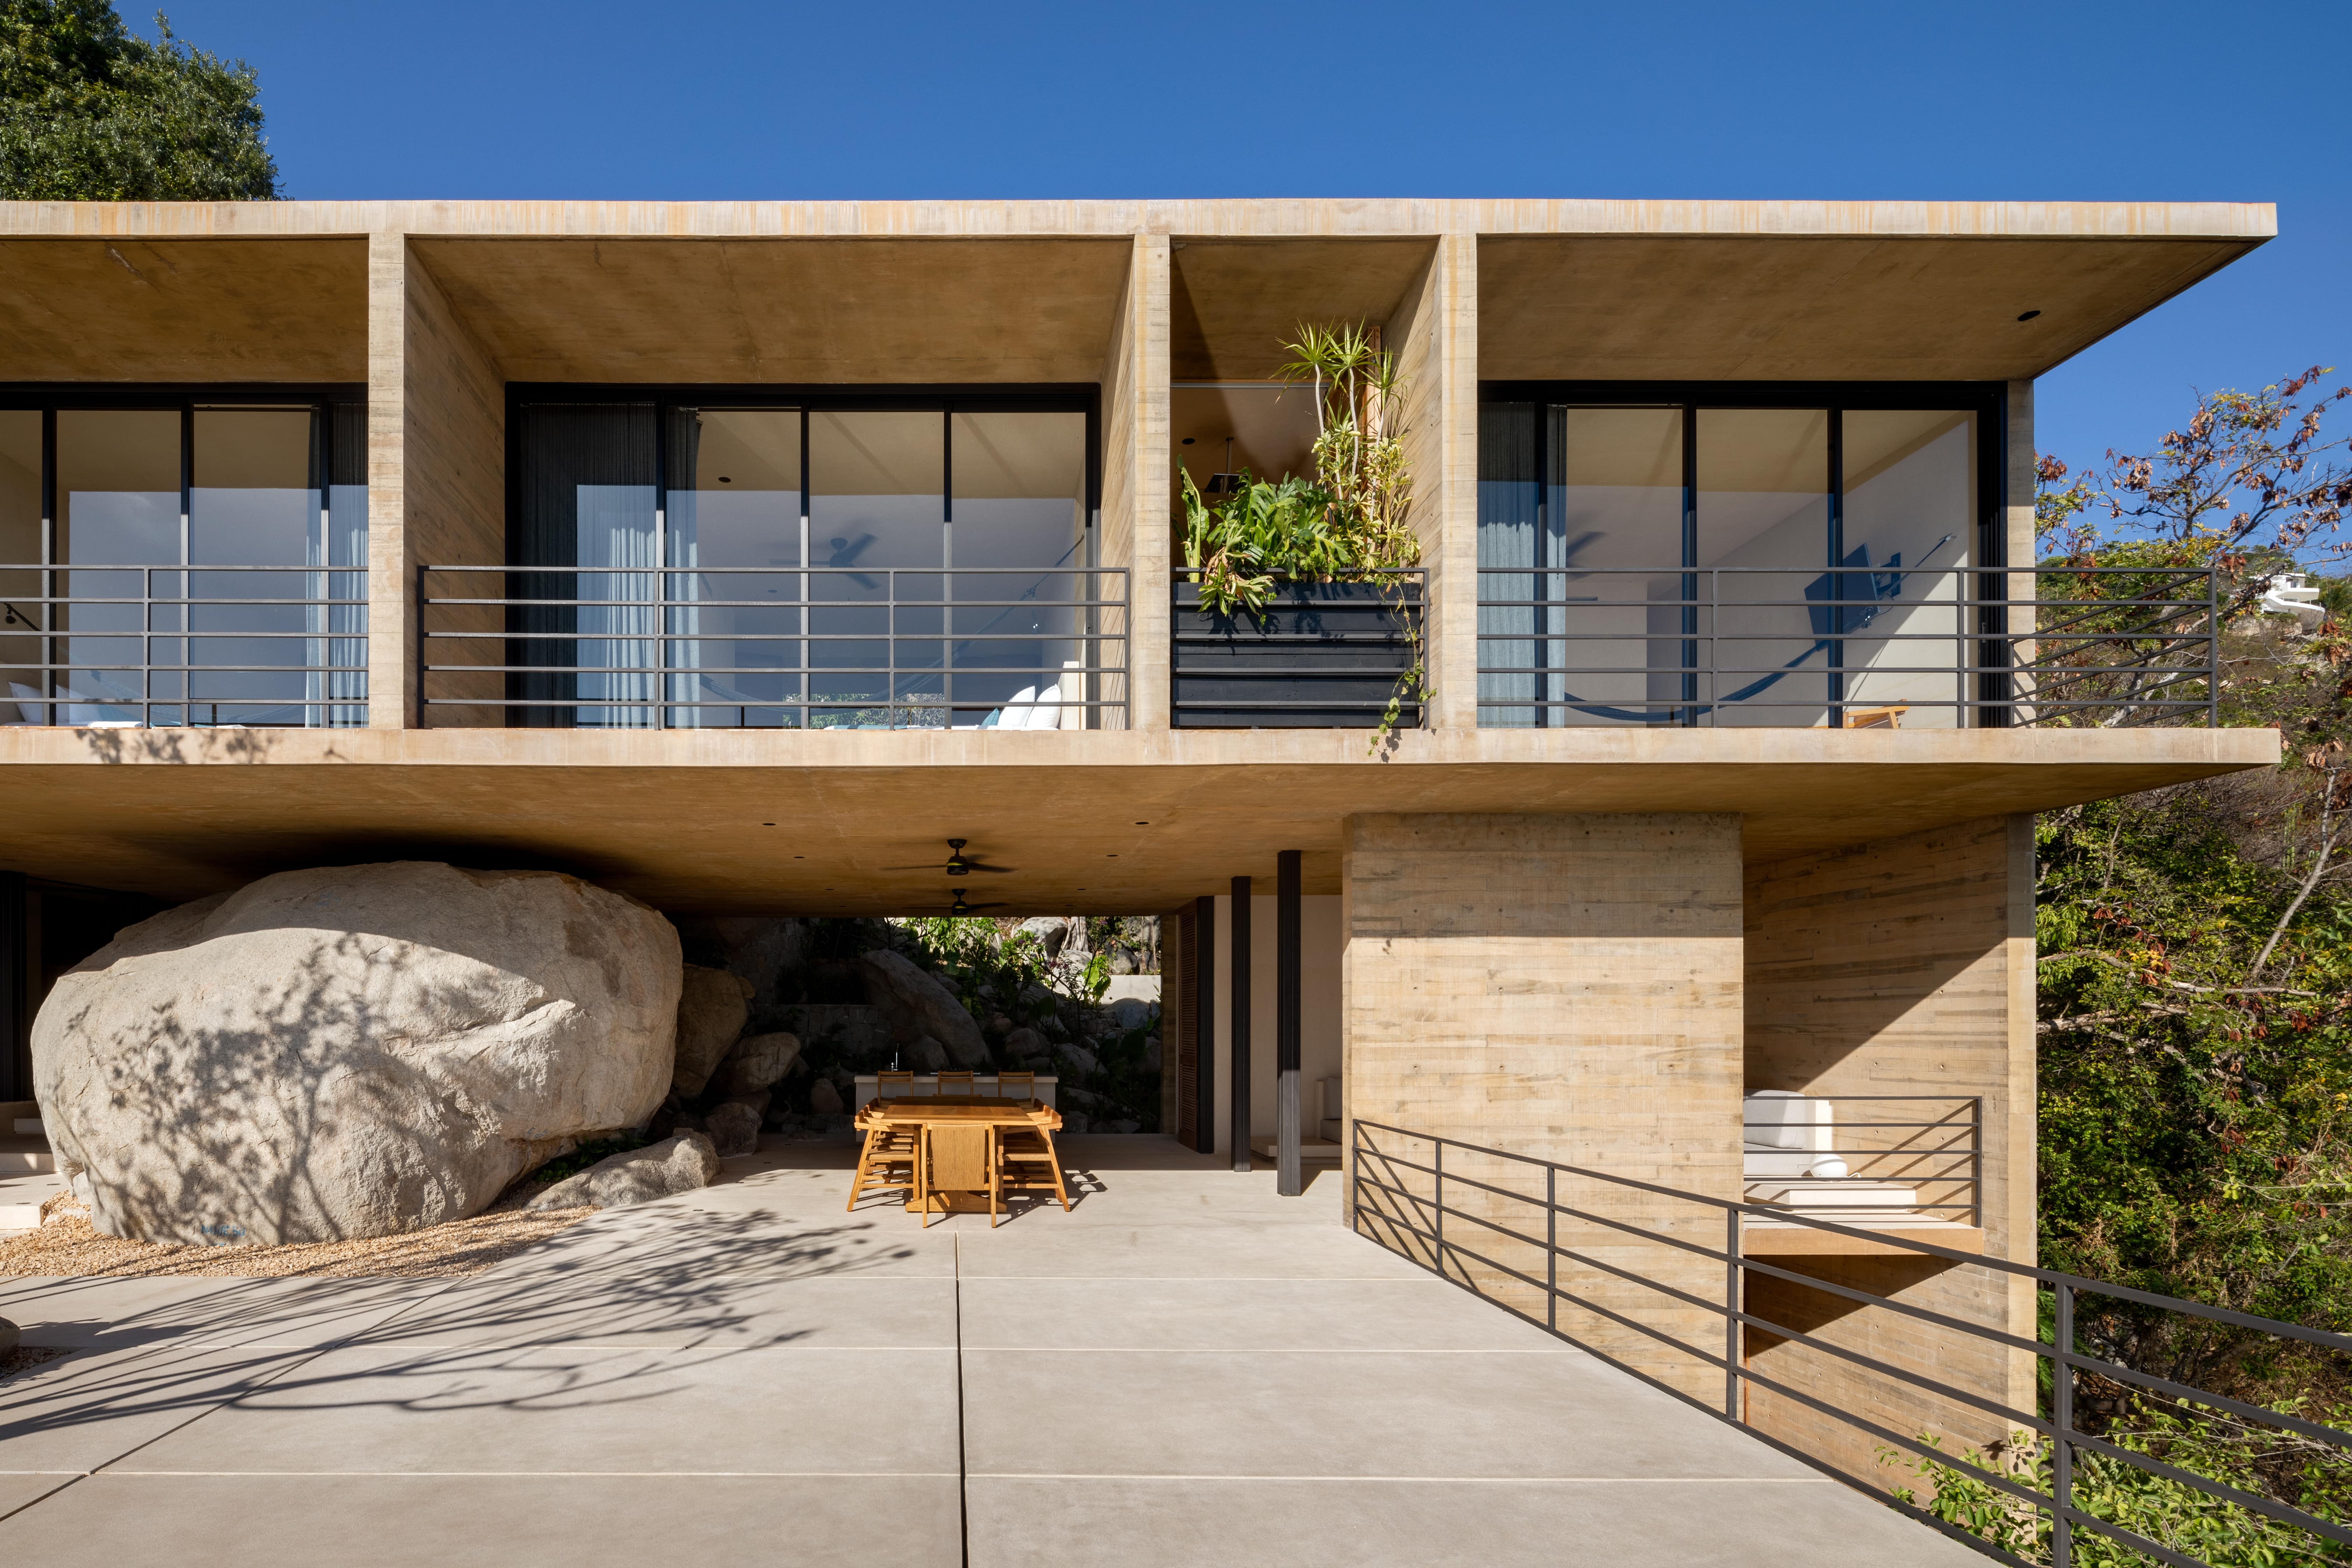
(917, 1112)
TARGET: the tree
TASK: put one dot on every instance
(90, 111)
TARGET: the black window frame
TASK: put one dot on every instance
(1988, 400)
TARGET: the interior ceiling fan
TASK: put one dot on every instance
(960, 908)
(958, 863)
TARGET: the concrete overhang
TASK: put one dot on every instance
(996, 291)
(1098, 822)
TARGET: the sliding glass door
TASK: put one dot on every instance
(1711, 560)
(701, 563)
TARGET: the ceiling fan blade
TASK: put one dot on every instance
(926, 866)
(971, 865)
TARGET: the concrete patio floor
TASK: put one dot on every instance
(1187, 1369)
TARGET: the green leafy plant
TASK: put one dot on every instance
(1349, 524)
(2169, 1512)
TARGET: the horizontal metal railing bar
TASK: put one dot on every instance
(801, 601)
(2096, 1287)
(686, 672)
(655, 635)
(911, 704)
(1709, 1358)
(1767, 1439)
(1571, 606)
(673, 569)
(2285, 1513)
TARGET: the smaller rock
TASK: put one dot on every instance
(1078, 1056)
(1000, 1024)
(927, 1054)
(1073, 1121)
(1132, 1013)
(712, 1006)
(678, 1164)
(735, 1128)
(1123, 1126)
(9, 1334)
(824, 1098)
(757, 1062)
(1152, 1053)
(1025, 1042)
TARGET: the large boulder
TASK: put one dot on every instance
(353, 1050)
(757, 1062)
(916, 1003)
(712, 1007)
(662, 1170)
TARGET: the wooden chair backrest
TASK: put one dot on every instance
(957, 1155)
(955, 1083)
(1016, 1085)
(894, 1085)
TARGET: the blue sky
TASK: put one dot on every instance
(2145, 101)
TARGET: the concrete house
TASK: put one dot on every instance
(738, 554)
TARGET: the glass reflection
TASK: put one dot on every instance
(1910, 502)
(254, 502)
(877, 518)
(734, 514)
(118, 489)
(1018, 542)
(1763, 516)
(589, 508)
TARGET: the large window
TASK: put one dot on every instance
(171, 558)
(1735, 556)
(707, 561)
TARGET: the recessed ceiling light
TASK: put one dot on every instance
(767, 825)
(725, 480)
(1143, 824)
(1110, 856)
(2029, 315)
(800, 856)
(1188, 441)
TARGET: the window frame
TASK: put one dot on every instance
(1988, 400)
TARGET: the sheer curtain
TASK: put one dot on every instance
(335, 687)
(1508, 523)
(588, 506)
(683, 589)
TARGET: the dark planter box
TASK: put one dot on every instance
(1324, 656)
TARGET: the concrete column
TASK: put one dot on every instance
(1435, 337)
(1135, 479)
(1286, 1023)
(1563, 986)
(1237, 1070)
(392, 573)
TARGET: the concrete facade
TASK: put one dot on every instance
(1577, 943)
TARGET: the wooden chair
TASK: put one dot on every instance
(954, 1083)
(1016, 1086)
(1030, 1163)
(1889, 718)
(958, 1158)
(888, 1159)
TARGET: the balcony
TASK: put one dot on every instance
(880, 647)
(1684, 647)
(133, 647)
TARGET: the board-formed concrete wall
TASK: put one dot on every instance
(1901, 967)
(1564, 986)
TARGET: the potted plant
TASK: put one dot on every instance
(1299, 604)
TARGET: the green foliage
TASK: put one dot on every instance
(1263, 532)
(90, 112)
(2169, 1512)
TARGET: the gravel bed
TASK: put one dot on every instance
(66, 1245)
(24, 1358)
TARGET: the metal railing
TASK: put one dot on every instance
(1893, 647)
(1937, 1148)
(790, 647)
(119, 645)
(1402, 1202)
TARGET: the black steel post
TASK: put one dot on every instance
(1287, 1180)
(1551, 1248)
(1731, 1308)
(2061, 1422)
(1204, 1003)
(1239, 1066)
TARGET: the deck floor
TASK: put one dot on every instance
(1187, 1369)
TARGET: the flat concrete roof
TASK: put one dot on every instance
(1104, 822)
(1025, 290)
